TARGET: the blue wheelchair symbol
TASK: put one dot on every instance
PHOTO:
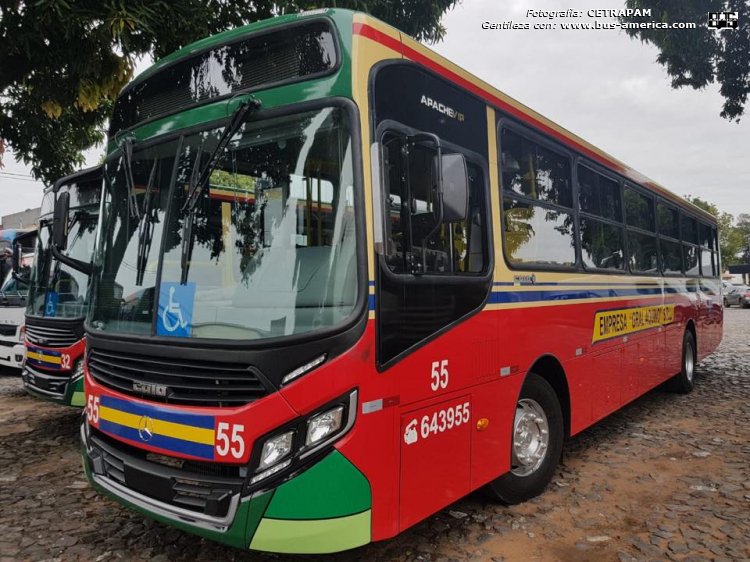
(50, 306)
(175, 309)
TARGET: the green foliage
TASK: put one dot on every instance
(701, 56)
(733, 239)
(63, 62)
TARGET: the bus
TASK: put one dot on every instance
(16, 258)
(58, 299)
(340, 283)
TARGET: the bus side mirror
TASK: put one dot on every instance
(455, 187)
(60, 221)
(16, 257)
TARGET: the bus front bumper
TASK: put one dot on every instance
(325, 508)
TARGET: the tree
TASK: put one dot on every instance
(63, 62)
(732, 242)
(701, 56)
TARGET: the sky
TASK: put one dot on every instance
(599, 84)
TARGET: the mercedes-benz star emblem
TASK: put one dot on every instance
(145, 428)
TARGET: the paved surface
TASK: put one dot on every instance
(668, 477)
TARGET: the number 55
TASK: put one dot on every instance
(439, 375)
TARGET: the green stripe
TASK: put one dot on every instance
(313, 536)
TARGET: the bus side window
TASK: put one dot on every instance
(412, 229)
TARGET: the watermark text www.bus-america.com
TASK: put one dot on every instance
(600, 19)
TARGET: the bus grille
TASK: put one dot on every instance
(50, 337)
(177, 381)
(8, 329)
(167, 479)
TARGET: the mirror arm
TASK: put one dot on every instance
(78, 265)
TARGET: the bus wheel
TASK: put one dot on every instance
(536, 445)
(726, 303)
(683, 382)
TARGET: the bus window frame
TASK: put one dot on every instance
(660, 236)
(506, 122)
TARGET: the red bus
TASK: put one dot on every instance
(356, 283)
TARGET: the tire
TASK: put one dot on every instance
(726, 303)
(524, 481)
(684, 381)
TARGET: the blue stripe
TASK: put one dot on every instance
(532, 296)
(158, 413)
(44, 351)
(160, 441)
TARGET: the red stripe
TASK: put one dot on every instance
(396, 45)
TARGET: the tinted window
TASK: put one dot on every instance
(534, 171)
(668, 220)
(706, 236)
(642, 250)
(601, 245)
(690, 258)
(671, 257)
(639, 210)
(707, 263)
(689, 229)
(412, 228)
(265, 59)
(598, 194)
(534, 234)
(715, 239)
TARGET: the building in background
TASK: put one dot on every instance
(23, 219)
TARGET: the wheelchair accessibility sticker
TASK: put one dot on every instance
(175, 309)
(50, 307)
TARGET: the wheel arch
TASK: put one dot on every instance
(550, 369)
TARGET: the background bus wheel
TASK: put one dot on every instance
(683, 381)
(536, 445)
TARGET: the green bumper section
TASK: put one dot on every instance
(74, 393)
(324, 509)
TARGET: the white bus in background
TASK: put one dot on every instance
(14, 290)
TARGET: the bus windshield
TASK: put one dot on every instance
(266, 250)
(57, 290)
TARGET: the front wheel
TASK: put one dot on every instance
(683, 382)
(536, 445)
(726, 303)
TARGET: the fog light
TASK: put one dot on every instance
(275, 449)
(323, 425)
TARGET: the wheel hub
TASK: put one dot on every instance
(530, 437)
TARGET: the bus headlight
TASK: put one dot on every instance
(275, 449)
(78, 369)
(298, 442)
(321, 426)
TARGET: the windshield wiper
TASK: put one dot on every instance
(198, 180)
(145, 230)
(127, 154)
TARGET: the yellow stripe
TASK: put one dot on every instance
(160, 427)
(43, 357)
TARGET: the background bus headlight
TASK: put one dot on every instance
(322, 425)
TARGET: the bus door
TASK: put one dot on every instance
(433, 275)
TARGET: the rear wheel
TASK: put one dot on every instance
(536, 445)
(726, 303)
(683, 382)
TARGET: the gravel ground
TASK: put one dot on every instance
(667, 477)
